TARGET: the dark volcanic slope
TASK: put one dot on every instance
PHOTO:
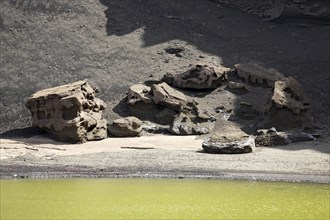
(117, 43)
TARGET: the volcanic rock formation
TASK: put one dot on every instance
(70, 113)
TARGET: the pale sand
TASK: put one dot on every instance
(162, 156)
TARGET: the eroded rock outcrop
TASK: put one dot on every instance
(198, 77)
(269, 138)
(165, 95)
(192, 121)
(159, 103)
(286, 106)
(229, 143)
(126, 127)
(70, 113)
(258, 74)
(287, 94)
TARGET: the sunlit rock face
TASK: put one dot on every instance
(70, 112)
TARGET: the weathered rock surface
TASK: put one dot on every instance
(126, 127)
(229, 143)
(159, 103)
(192, 120)
(274, 138)
(139, 92)
(287, 94)
(286, 106)
(199, 77)
(69, 112)
(165, 95)
(258, 74)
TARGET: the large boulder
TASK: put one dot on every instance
(199, 77)
(140, 103)
(126, 127)
(258, 74)
(159, 103)
(229, 143)
(286, 107)
(165, 95)
(70, 113)
(139, 92)
(192, 121)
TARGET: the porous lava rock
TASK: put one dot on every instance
(125, 127)
(70, 112)
(198, 77)
(192, 121)
(229, 143)
(159, 103)
(257, 73)
(286, 106)
(165, 95)
(140, 103)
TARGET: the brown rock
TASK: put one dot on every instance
(233, 142)
(200, 77)
(258, 74)
(126, 127)
(138, 93)
(286, 106)
(69, 112)
(165, 95)
(289, 94)
(192, 120)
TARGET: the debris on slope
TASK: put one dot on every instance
(69, 112)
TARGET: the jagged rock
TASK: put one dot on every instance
(287, 94)
(165, 95)
(199, 77)
(140, 103)
(69, 112)
(286, 106)
(125, 127)
(139, 92)
(258, 74)
(273, 138)
(192, 120)
(229, 143)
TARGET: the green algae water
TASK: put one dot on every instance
(162, 199)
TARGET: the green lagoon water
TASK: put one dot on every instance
(162, 199)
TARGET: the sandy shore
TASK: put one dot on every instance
(161, 156)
